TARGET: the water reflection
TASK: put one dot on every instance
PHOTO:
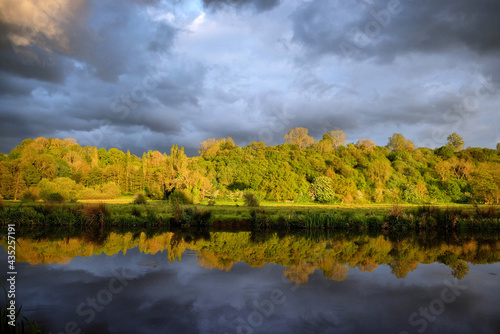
(300, 254)
(220, 282)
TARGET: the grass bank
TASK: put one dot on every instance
(267, 216)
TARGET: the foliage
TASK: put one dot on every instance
(322, 188)
(108, 190)
(336, 138)
(96, 213)
(399, 143)
(250, 199)
(30, 195)
(140, 199)
(54, 198)
(299, 136)
(193, 217)
(455, 142)
(361, 173)
(180, 197)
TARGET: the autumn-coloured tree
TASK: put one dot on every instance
(365, 144)
(299, 136)
(337, 138)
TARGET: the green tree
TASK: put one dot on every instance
(322, 188)
(399, 143)
(455, 142)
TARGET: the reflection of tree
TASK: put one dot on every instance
(367, 265)
(460, 269)
(333, 270)
(300, 255)
(401, 268)
(299, 273)
(211, 261)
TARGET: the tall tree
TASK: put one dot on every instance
(299, 136)
(455, 142)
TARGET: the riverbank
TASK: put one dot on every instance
(268, 216)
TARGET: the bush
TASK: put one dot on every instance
(64, 186)
(322, 188)
(55, 198)
(29, 196)
(96, 214)
(211, 202)
(140, 199)
(136, 212)
(109, 190)
(250, 199)
(193, 217)
(178, 197)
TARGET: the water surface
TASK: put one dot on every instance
(245, 283)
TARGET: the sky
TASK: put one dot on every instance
(146, 74)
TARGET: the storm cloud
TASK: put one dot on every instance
(143, 75)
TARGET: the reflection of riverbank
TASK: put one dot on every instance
(301, 255)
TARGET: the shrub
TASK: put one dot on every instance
(140, 199)
(211, 202)
(322, 188)
(250, 199)
(30, 195)
(109, 190)
(178, 197)
(96, 214)
(64, 186)
(54, 198)
(136, 212)
(190, 217)
(489, 212)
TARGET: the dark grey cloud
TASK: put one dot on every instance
(257, 5)
(376, 30)
(148, 74)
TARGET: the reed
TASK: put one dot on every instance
(23, 326)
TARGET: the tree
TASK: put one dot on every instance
(498, 147)
(365, 144)
(399, 143)
(322, 188)
(205, 145)
(455, 142)
(299, 136)
(336, 137)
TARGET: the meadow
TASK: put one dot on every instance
(267, 215)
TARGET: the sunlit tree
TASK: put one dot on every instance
(337, 138)
(299, 136)
(455, 142)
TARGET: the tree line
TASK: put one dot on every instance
(302, 169)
